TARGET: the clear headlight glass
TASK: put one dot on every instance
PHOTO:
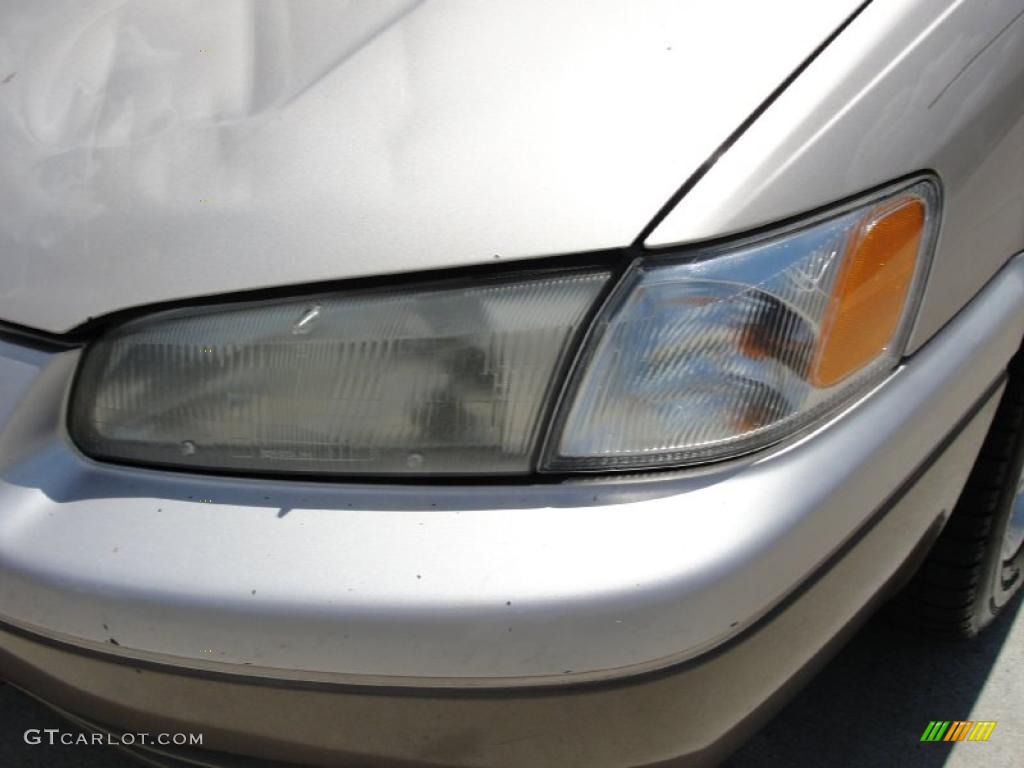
(438, 380)
(739, 346)
(699, 355)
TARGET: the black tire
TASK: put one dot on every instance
(966, 579)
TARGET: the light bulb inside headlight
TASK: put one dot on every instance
(735, 347)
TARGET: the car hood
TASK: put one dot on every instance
(155, 151)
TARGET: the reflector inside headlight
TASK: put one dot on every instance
(739, 346)
(430, 381)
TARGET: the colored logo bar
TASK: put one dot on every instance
(958, 730)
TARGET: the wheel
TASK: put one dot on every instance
(977, 562)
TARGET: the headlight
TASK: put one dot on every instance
(706, 353)
(733, 348)
(433, 381)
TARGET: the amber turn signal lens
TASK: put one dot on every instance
(870, 292)
(729, 348)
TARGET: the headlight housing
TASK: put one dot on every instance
(701, 354)
(449, 379)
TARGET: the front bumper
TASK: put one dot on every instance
(567, 624)
(699, 709)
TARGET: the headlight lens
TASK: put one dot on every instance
(432, 381)
(737, 347)
(703, 354)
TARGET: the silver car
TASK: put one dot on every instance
(498, 384)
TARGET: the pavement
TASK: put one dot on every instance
(867, 708)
